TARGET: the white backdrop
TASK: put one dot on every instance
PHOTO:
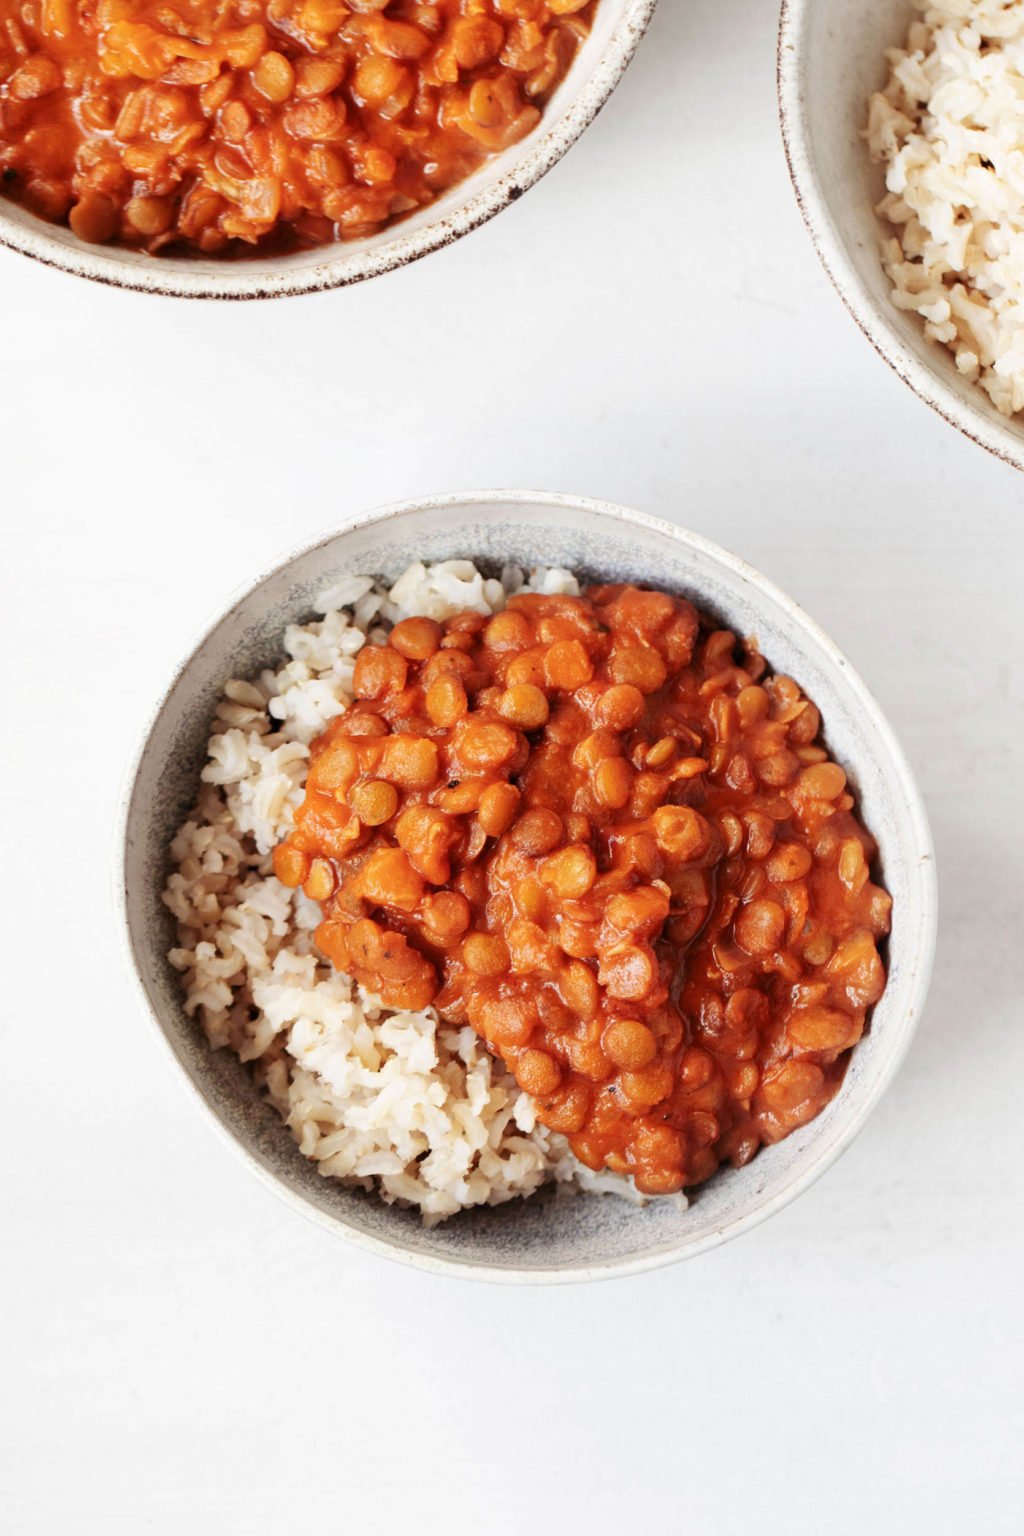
(180, 1352)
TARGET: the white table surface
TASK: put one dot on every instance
(180, 1352)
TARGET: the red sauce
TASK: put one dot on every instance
(597, 830)
(218, 127)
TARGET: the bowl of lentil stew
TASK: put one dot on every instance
(551, 1239)
(289, 146)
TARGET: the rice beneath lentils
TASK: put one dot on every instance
(949, 127)
(394, 1102)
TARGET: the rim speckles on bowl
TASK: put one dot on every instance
(831, 58)
(544, 1238)
(618, 27)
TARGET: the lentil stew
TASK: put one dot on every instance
(603, 834)
(220, 128)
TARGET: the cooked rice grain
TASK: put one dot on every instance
(949, 127)
(395, 1102)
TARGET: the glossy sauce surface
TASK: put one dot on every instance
(214, 126)
(597, 831)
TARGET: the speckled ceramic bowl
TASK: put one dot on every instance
(618, 28)
(831, 58)
(544, 1238)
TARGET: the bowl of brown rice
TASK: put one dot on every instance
(389, 1127)
(901, 121)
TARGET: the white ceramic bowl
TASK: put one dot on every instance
(541, 1239)
(619, 25)
(831, 58)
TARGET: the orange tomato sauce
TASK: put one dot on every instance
(599, 831)
(219, 126)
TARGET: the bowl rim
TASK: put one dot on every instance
(926, 382)
(921, 942)
(344, 264)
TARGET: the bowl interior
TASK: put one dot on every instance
(542, 1237)
(618, 27)
(832, 57)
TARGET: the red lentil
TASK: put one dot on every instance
(672, 951)
(217, 126)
